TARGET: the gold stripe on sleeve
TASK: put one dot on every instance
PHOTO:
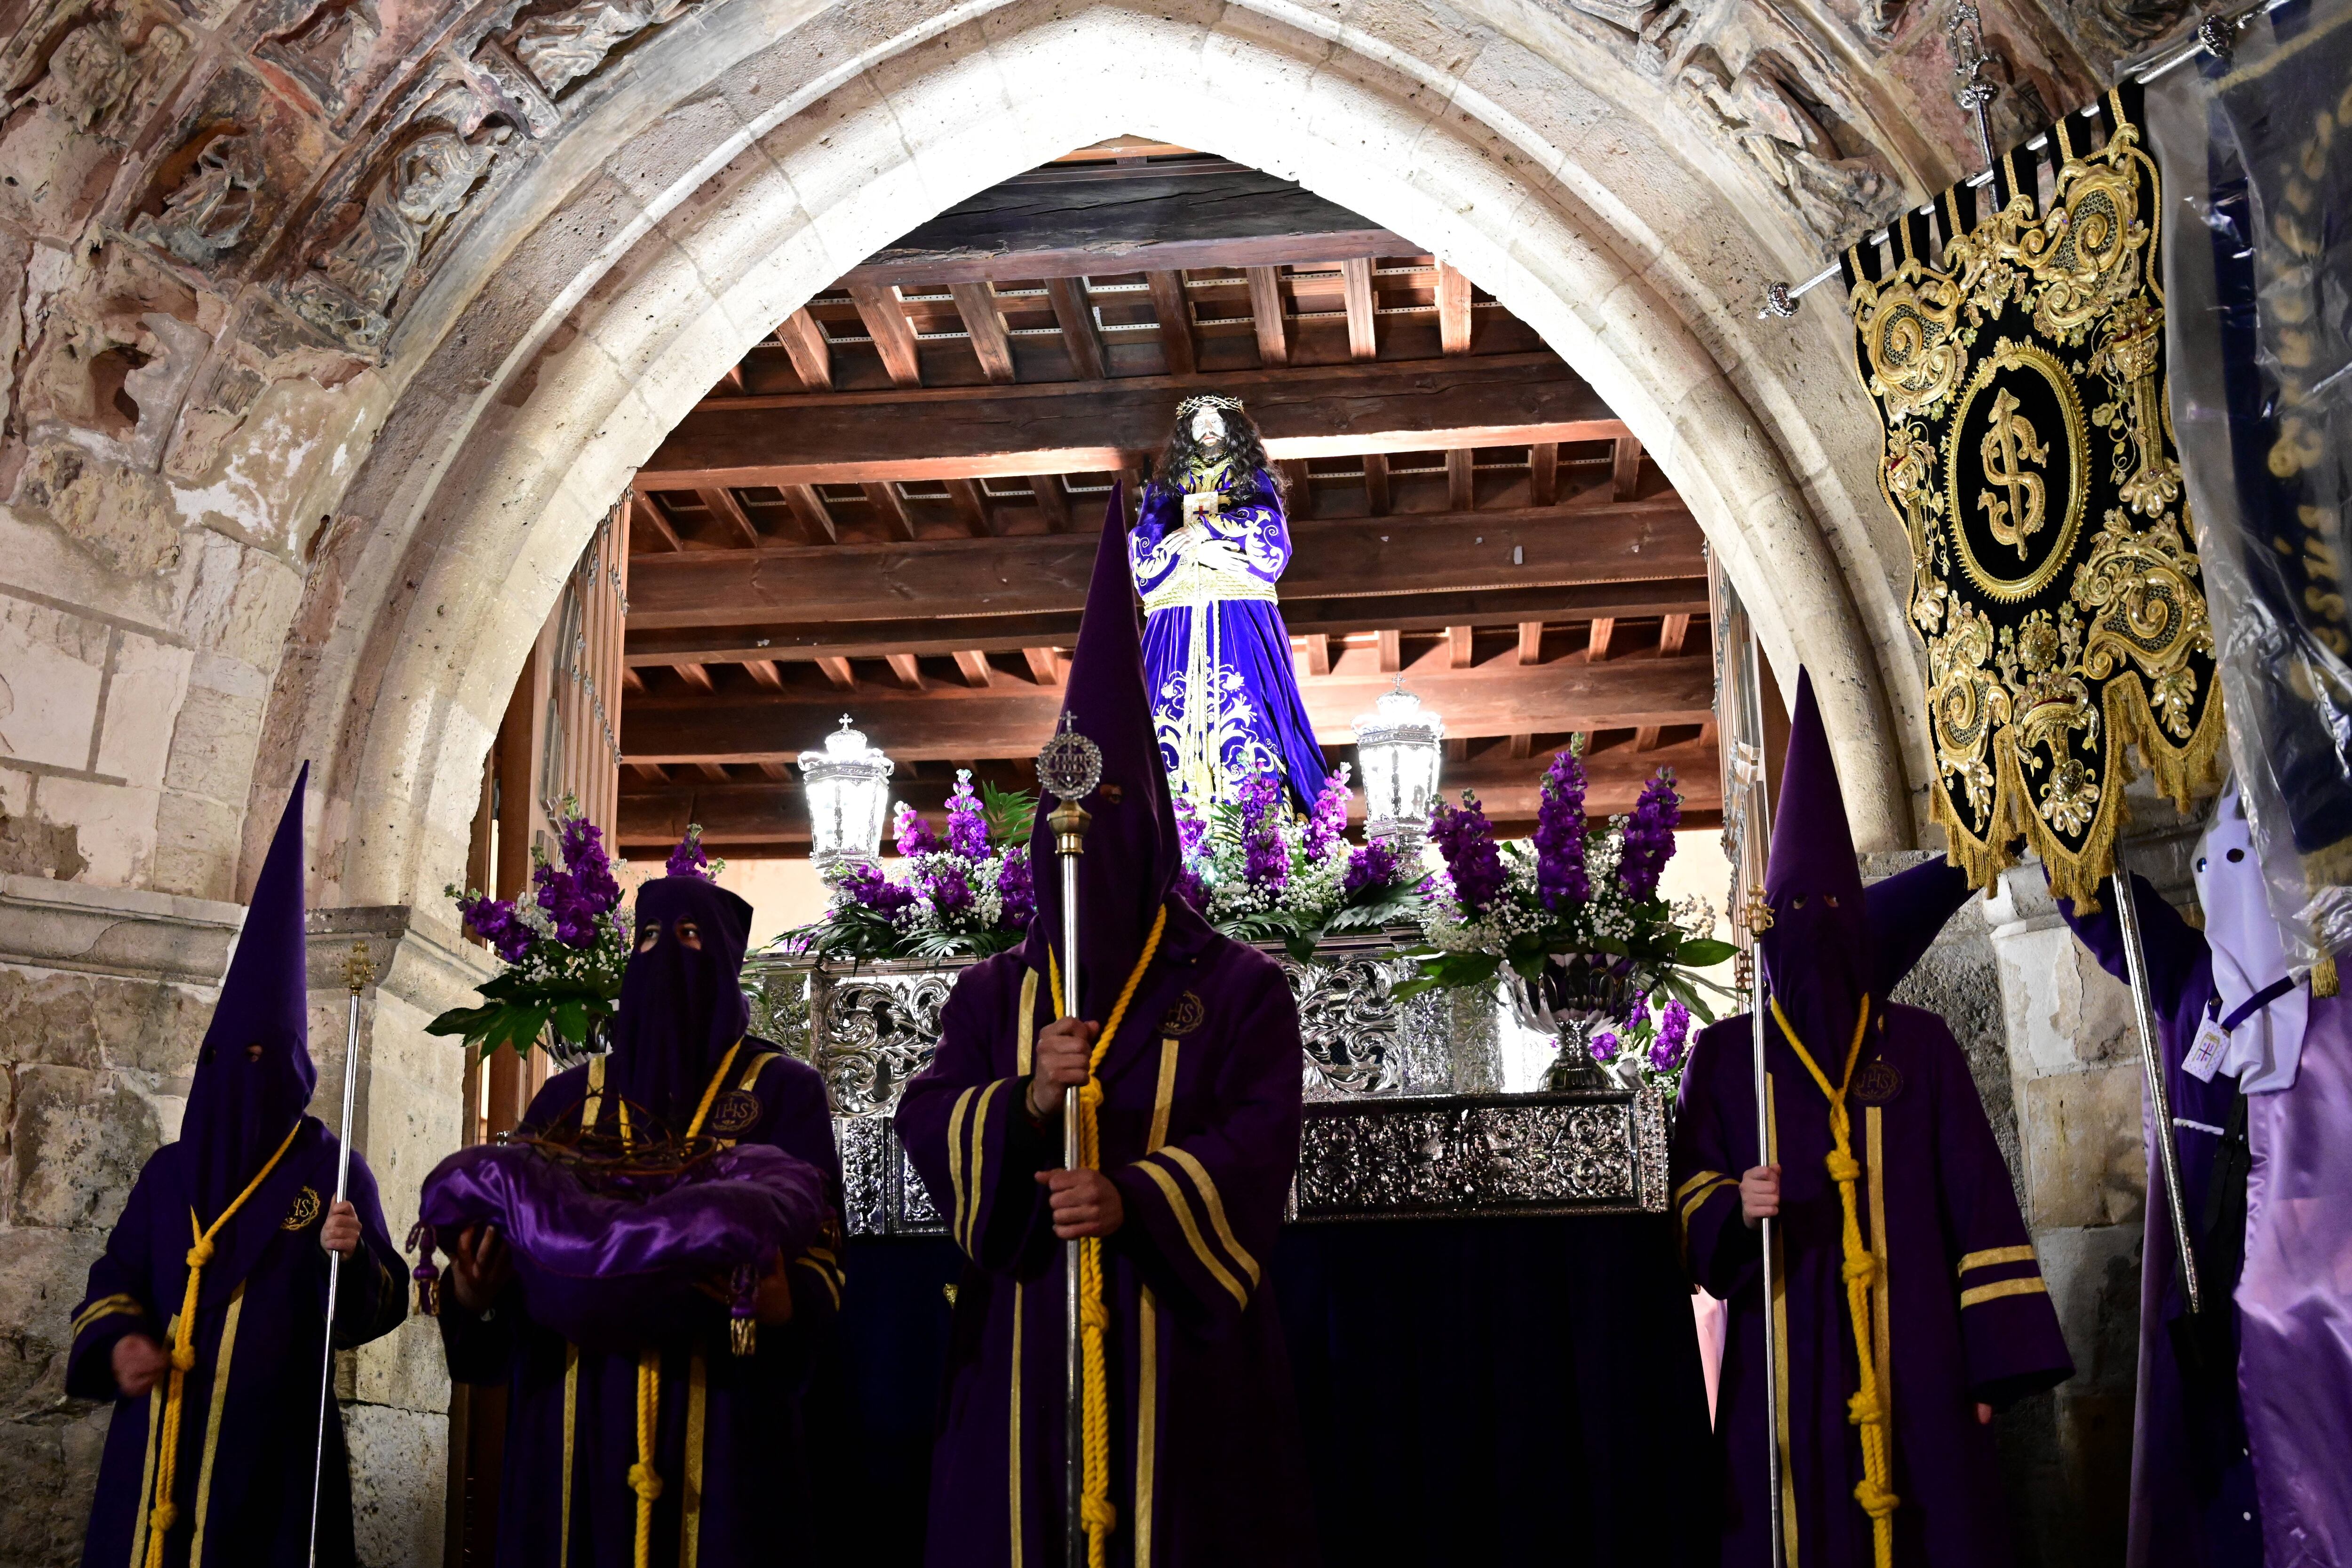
(689, 1516)
(1881, 1323)
(1216, 1205)
(106, 1307)
(217, 1398)
(979, 1153)
(1699, 1179)
(1165, 1099)
(1147, 1409)
(955, 1161)
(1993, 1255)
(1024, 1039)
(1012, 1444)
(1977, 1297)
(1184, 1213)
(1697, 1200)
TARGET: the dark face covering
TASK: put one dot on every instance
(1131, 855)
(242, 1100)
(1817, 954)
(681, 1006)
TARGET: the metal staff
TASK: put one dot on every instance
(1756, 835)
(2151, 1061)
(357, 972)
(1070, 767)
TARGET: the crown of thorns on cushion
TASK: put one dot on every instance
(1217, 400)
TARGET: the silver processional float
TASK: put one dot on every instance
(1068, 769)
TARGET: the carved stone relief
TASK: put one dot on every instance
(211, 207)
(328, 50)
(78, 82)
(559, 48)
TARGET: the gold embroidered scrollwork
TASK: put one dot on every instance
(2019, 374)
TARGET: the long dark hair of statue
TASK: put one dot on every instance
(1244, 445)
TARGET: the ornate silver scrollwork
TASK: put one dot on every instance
(1481, 1154)
(876, 1030)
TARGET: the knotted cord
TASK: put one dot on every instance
(166, 1512)
(1095, 1510)
(1865, 1410)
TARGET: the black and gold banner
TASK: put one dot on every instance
(2017, 359)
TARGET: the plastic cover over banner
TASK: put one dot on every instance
(2257, 157)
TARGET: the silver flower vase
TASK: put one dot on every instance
(1573, 997)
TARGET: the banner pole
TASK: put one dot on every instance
(2159, 1094)
(1755, 842)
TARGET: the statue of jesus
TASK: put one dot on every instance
(1208, 544)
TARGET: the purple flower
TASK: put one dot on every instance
(1604, 1047)
(915, 834)
(494, 921)
(1265, 858)
(1673, 1032)
(583, 845)
(1561, 878)
(1192, 828)
(950, 889)
(1327, 825)
(1650, 835)
(1375, 866)
(867, 885)
(967, 826)
(1467, 840)
(688, 860)
(573, 909)
(1016, 888)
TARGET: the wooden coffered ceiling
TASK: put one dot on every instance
(889, 506)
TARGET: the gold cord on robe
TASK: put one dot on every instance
(1866, 1409)
(1094, 1509)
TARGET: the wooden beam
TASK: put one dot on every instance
(1175, 313)
(764, 671)
(1520, 747)
(647, 521)
(811, 512)
(1356, 289)
(1046, 490)
(714, 772)
(1075, 316)
(1543, 473)
(1265, 315)
(1486, 552)
(1045, 666)
(1531, 642)
(910, 673)
(630, 680)
(812, 355)
(733, 519)
(1645, 737)
(977, 670)
(1071, 222)
(656, 774)
(838, 671)
(971, 506)
(1391, 646)
(1672, 632)
(1625, 469)
(851, 437)
(1460, 647)
(1299, 498)
(779, 771)
(1452, 308)
(1376, 483)
(891, 506)
(885, 323)
(976, 303)
(696, 676)
(1012, 719)
(1596, 646)
(1461, 479)
(1318, 653)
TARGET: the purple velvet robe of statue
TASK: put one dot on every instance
(1967, 1318)
(1216, 655)
(728, 1448)
(1200, 1131)
(2293, 1292)
(249, 1416)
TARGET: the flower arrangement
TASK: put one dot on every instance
(1259, 871)
(1646, 1047)
(1577, 907)
(973, 892)
(564, 946)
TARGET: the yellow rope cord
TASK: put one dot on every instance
(1095, 1510)
(644, 1479)
(1865, 1410)
(184, 1360)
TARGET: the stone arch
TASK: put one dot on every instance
(755, 151)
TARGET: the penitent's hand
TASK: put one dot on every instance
(774, 1304)
(1063, 1057)
(478, 1267)
(341, 1231)
(1085, 1203)
(1760, 1194)
(140, 1364)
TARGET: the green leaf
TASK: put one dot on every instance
(572, 1021)
(1703, 952)
(465, 1021)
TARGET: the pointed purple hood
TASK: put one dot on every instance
(1817, 956)
(681, 1007)
(241, 1105)
(1132, 855)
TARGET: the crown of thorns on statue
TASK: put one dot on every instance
(1217, 400)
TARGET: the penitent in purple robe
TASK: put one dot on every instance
(1216, 657)
(1959, 1314)
(249, 1407)
(1199, 1126)
(730, 1450)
